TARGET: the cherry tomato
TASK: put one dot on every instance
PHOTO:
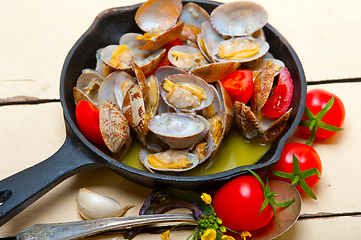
(87, 117)
(316, 100)
(238, 203)
(307, 157)
(281, 97)
(239, 85)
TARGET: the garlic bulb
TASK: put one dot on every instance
(92, 205)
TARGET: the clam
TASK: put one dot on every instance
(186, 92)
(262, 87)
(114, 128)
(149, 88)
(222, 102)
(204, 149)
(178, 130)
(122, 82)
(186, 57)
(134, 109)
(193, 16)
(158, 19)
(169, 160)
(266, 130)
(209, 111)
(239, 18)
(209, 40)
(147, 60)
(257, 69)
(117, 57)
(109, 88)
(160, 74)
(148, 92)
(87, 87)
(240, 49)
(213, 72)
(250, 120)
(217, 126)
(228, 36)
(226, 106)
(210, 144)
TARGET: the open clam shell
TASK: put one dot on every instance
(158, 15)
(215, 71)
(204, 149)
(124, 60)
(169, 160)
(147, 60)
(186, 57)
(87, 87)
(107, 90)
(209, 40)
(194, 15)
(238, 18)
(160, 74)
(209, 111)
(177, 99)
(178, 130)
(226, 105)
(262, 87)
(228, 50)
(164, 38)
(122, 83)
(257, 69)
(265, 130)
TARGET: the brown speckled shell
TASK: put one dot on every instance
(168, 36)
(262, 87)
(246, 122)
(133, 109)
(113, 127)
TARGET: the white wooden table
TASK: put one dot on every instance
(35, 37)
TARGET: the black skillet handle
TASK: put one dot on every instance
(20, 190)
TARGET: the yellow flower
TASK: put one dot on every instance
(165, 235)
(245, 234)
(210, 234)
(226, 237)
(206, 198)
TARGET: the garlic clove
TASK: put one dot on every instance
(92, 205)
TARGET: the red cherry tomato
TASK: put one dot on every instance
(308, 158)
(238, 203)
(87, 117)
(239, 85)
(281, 97)
(316, 100)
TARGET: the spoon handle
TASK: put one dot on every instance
(78, 229)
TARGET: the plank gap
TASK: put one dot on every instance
(21, 100)
(329, 81)
(328, 215)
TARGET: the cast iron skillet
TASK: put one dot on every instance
(78, 154)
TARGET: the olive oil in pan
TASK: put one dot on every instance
(235, 151)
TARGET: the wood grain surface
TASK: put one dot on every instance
(35, 37)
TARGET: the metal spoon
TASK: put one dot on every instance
(78, 229)
(287, 217)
